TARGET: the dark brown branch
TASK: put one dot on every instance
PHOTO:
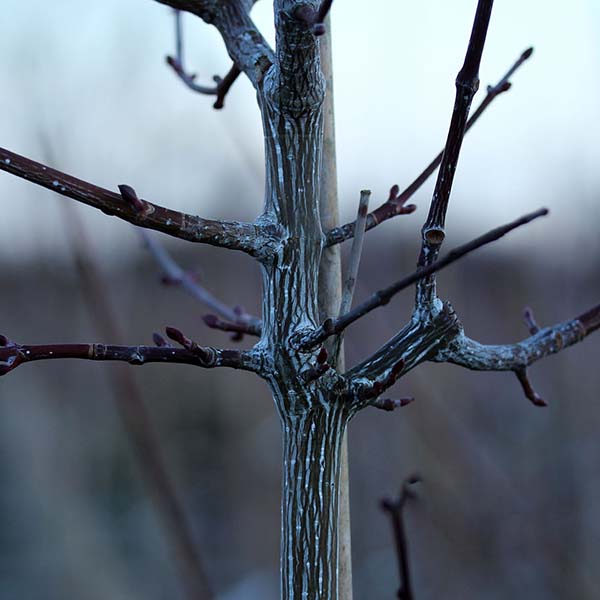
(395, 509)
(176, 63)
(396, 204)
(467, 83)
(12, 355)
(307, 340)
(226, 234)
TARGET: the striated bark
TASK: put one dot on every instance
(312, 457)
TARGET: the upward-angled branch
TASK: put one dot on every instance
(467, 83)
(396, 204)
(310, 339)
(226, 234)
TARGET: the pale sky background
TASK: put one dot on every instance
(90, 77)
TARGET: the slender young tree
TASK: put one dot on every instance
(297, 347)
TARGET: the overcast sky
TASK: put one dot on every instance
(90, 78)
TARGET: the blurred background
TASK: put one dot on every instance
(509, 502)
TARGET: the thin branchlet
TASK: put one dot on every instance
(396, 204)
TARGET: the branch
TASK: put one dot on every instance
(240, 322)
(12, 355)
(418, 341)
(127, 206)
(467, 83)
(470, 354)
(176, 63)
(246, 46)
(306, 340)
(396, 203)
(395, 509)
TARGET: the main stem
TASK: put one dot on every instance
(314, 414)
(312, 454)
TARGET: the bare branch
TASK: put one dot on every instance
(396, 204)
(12, 355)
(246, 46)
(395, 509)
(240, 321)
(176, 63)
(470, 354)
(310, 339)
(530, 393)
(418, 341)
(226, 234)
(467, 83)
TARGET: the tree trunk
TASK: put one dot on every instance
(309, 543)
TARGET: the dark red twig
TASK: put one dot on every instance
(391, 209)
(530, 393)
(319, 368)
(391, 404)
(308, 340)
(530, 321)
(223, 84)
(590, 320)
(374, 389)
(395, 509)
